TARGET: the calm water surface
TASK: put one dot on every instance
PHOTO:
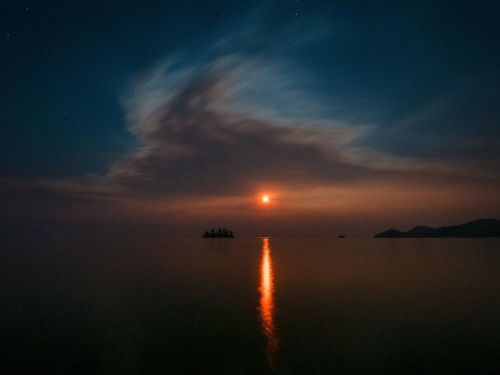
(251, 306)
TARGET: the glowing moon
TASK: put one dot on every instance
(265, 199)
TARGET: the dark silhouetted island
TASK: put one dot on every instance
(476, 228)
(219, 233)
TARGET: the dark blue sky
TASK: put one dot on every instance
(395, 84)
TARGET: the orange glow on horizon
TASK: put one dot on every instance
(265, 199)
(266, 290)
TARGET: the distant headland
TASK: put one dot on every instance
(476, 228)
(219, 233)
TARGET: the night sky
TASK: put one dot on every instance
(353, 116)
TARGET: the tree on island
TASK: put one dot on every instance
(219, 233)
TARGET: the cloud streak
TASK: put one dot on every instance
(191, 140)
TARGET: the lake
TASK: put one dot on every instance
(109, 305)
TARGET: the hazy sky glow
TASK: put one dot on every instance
(351, 116)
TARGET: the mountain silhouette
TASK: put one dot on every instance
(476, 228)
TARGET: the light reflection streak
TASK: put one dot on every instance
(267, 307)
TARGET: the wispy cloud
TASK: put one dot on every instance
(193, 140)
